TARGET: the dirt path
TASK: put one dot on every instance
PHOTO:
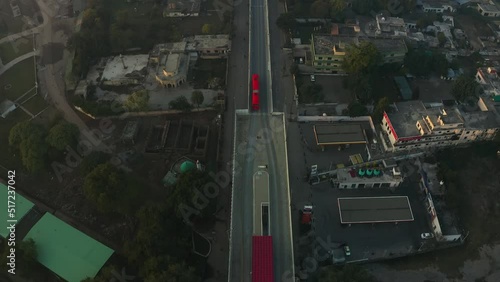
(49, 77)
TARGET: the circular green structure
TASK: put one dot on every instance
(187, 166)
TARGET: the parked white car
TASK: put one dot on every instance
(313, 78)
(426, 236)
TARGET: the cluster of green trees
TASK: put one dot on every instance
(135, 102)
(422, 62)
(309, 92)
(37, 145)
(464, 88)
(182, 104)
(335, 9)
(26, 255)
(161, 246)
(362, 63)
(104, 32)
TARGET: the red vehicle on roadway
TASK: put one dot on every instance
(262, 259)
(255, 92)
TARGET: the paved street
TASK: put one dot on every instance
(254, 147)
(242, 209)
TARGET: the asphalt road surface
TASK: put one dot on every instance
(253, 147)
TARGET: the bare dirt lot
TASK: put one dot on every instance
(333, 88)
(433, 90)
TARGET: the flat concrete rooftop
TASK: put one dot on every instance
(375, 209)
(117, 68)
(337, 134)
(323, 44)
(388, 45)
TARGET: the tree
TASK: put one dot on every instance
(357, 109)
(29, 253)
(337, 8)
(121, 39)
(21, 131)
(310, 93)
(361, 86)
(397, 8)
(26, 255)
(208, 29)
(29, 139)
(419, 62)
(286, 22)
(349, 272)
(137, 101)
(361, 58)
(183, 193)
(380, 108)
(180, 103)
(161, 237)
(320, 9)
(440, 64)
(441, 38)
(197, 98)
(34, 153)
(91, 161)
(62, 135)
(465, 87)
(363, 7)
(110, 189)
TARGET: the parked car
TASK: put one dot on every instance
(347, 250)
(313, 78)
(426, 236)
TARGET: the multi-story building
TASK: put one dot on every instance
(413, 126)
(172, 60)
(209, 46)
(182, 8)
(392, 50)
(328, 51)
(391, 26)
(438, 6)
(488, 10)
(488, 79)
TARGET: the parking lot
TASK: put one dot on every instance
(366, 241)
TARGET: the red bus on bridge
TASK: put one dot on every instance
(255, 92)
(262, 259)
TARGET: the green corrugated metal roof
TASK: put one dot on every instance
(66, 251)
(404, 88)
(496, 98)
(22, 207)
